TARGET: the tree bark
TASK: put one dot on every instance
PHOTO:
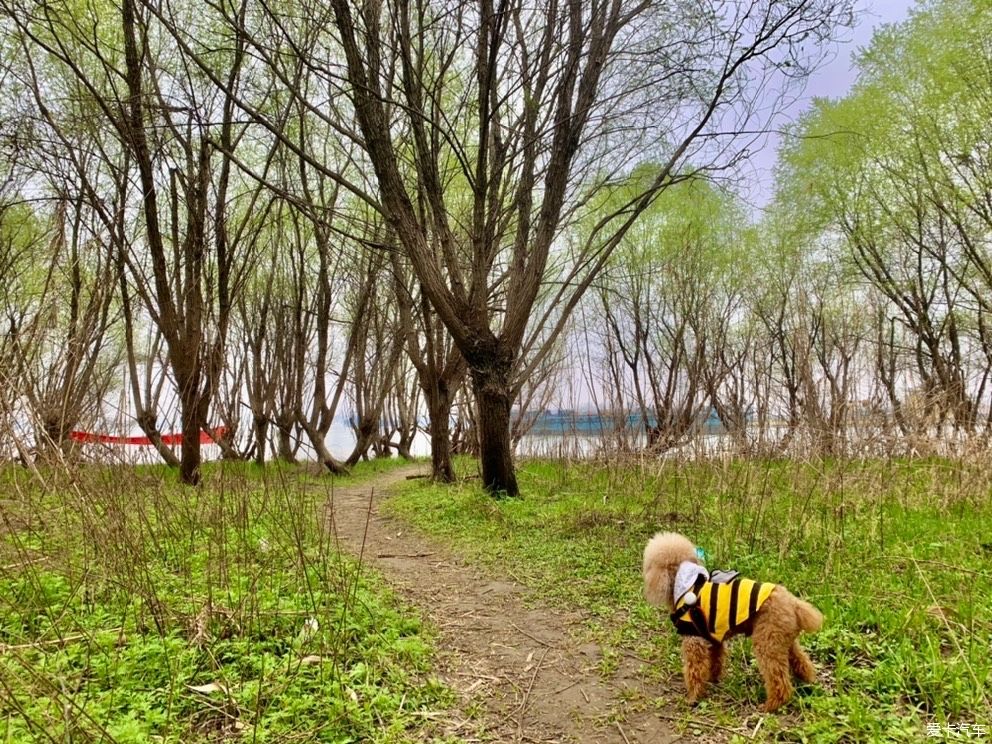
(284, 440)
(189, 462)
(261, 427)
(193, 404)
(439, 410)
(494, 397)
(324, 456)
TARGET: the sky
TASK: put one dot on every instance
(832, 80)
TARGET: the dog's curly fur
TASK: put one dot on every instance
(774, 630)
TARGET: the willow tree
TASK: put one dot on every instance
(671, 299)
(160, 126)
(895, 178)
(534, 108)
(482, 131)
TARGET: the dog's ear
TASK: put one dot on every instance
(662, 556)
(658, 578)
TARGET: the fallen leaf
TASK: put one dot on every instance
(208, 688)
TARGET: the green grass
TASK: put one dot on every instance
(133, 609)
(897, 554)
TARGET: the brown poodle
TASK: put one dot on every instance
(707, 610)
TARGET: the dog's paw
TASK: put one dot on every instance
(770, 706)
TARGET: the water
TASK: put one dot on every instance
(553, 435)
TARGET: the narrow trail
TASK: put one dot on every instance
(522, 664)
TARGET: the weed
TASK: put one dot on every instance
(895, 553)
(133, 609)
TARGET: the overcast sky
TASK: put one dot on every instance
(832, 81)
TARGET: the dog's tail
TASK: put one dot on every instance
(808, 617)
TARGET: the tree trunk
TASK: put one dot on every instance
(324, 456)
(284, 440)
(491, 384)
(439, 410)
(261, 435)
(365, 436)
(189, 462)
(403, 448)
(148, 422)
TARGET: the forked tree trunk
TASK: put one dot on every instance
(439, 410)
(404, 445)
(324, 456)
(365, 437)
(491, 385)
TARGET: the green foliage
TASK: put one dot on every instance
(133, 609)
(693, 220)
(895, 553)
(918, 112)
(24, 252)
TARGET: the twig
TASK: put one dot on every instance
(560, 690)
(533, 638)
(476, 675)
(4, 648)
(415, 476)
(620, 729)
(525, 702)
(758, 727)
(696, 722)
(12, 566)
(403, 555)
(635, 657)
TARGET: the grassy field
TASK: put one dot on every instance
(135, 610)
(897, 554)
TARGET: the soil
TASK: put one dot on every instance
(524, 668)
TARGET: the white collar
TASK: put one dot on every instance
(685, 577)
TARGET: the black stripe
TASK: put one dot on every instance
(699, 620)
(680, 621)
(714, 601)
(735, 588)
(752, 605)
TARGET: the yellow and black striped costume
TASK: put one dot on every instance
(720, 608)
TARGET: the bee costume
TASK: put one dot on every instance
(712, 606)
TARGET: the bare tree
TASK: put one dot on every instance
(402, 412)
(63, 362)
(488, 129)
(377, 345)
(179, 139)
(545, 94)
(439, 365)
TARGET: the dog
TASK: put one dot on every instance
(708, 610)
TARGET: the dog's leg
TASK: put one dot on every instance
(718, 656)
(695, 667)
(771, 648)
(801, 665)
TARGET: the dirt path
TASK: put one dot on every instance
(522, 664)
